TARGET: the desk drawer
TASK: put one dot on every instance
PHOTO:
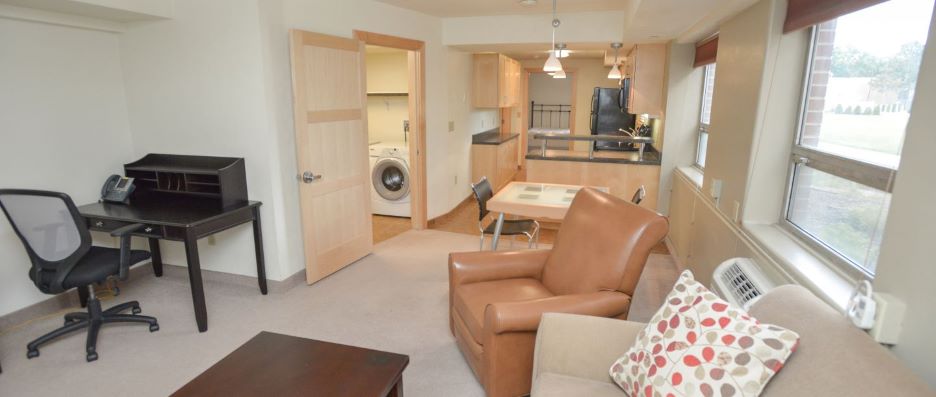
(107, 225)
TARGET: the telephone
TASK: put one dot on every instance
(117, 189)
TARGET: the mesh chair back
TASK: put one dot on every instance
(48, 225)
(639, 195)
(483, 193)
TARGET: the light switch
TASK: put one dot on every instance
(451, 126)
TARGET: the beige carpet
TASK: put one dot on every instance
(394, 300)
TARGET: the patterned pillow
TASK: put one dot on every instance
(699, 345)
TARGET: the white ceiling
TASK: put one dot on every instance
(473, 8)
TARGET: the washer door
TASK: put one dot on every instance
(391, 179)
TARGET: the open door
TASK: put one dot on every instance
(329, 98)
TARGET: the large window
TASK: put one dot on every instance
(860, 87)
(708, 87)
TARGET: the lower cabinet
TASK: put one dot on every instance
(497, 162)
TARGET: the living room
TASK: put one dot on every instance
(818, 186)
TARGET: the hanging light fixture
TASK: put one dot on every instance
(561, 51)
(615, 72)
(559, 75)
(553, 64)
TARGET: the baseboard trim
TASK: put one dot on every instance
(69, 300)
(431, 222)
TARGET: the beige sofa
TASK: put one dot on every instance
(573, 353)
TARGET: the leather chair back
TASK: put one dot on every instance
(602, 245)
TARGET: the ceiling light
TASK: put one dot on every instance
(561, 50)
(528, 3)
(559, 75)
(615, 72)
(552, 64)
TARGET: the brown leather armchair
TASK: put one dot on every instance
(496, 299)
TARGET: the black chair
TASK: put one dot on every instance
(527, 227)
(639, 195)
(59, 245)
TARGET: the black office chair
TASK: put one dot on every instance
(639, 195)
(527, 227)
(59, 246)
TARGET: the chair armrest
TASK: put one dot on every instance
(124, 234)
(581, 346)
(475, 267)
(524, 316)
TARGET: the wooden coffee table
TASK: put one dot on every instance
(272, 364)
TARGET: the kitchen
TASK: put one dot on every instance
(607, 133)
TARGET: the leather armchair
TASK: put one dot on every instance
(496, 299)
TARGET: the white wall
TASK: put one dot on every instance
(544, 89)
(195, 85)
(64, 127)
(387, 72)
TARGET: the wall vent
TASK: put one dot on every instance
(740, 281)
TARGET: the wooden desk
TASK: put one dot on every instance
(183, 220)
(532, 200)
(280, 365)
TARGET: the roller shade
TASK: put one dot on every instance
(805, 13)
(706, 51)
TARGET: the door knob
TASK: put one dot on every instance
(309, 177)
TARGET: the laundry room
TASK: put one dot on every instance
(388, 110)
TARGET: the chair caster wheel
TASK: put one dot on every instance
(154, 327)
(136, 310)
(91, 357)
(32, 354)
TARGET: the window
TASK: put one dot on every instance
(708, 87)
(856, 106)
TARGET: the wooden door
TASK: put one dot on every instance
(329, 98)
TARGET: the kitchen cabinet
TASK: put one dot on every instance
(496, 81)
(645, 66)
(498, 162)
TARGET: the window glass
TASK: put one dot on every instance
(862, 81)
(705, 116)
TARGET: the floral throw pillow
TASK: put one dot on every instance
(699, 345)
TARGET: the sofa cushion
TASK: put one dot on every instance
(470, 300)
(834, 358)
(548, 384)
(699, 344)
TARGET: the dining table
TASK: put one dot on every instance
(533, 200)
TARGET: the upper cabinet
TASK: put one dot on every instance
(645, 67)
(496, 81)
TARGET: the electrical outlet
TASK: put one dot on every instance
(451, 126)
(456, 180)
(715, 190)
(737, 211)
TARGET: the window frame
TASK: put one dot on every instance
(703, 127)
(868, 174)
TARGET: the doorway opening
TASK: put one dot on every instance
(396, 133)
(549, 107)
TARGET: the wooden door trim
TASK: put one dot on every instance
(417, 142)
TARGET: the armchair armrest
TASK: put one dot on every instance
(125, 233)
(581, 346)
(475, 267)
(524, 316)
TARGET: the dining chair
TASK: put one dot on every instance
(639, 195)
(512, 227)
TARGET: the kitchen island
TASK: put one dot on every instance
(622, 172)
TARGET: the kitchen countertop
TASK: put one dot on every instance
(492, 137)
(650, 157)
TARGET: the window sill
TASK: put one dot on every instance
(694, 174)
(805, 266)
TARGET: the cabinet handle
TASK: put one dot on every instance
(148, 229)
(99, 224)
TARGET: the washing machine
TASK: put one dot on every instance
(390, 179)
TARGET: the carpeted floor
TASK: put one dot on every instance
(394, 300)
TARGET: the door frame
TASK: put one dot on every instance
(572, 74)
(416, 57)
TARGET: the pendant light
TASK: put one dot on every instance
(615, 72)
(553, 64)
(559, 75)
(561, 51)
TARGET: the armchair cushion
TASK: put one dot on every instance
(470, 300)
(524, 316)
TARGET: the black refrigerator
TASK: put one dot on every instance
(609, 113)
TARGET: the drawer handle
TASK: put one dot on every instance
(99, 224)
(148, 229)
